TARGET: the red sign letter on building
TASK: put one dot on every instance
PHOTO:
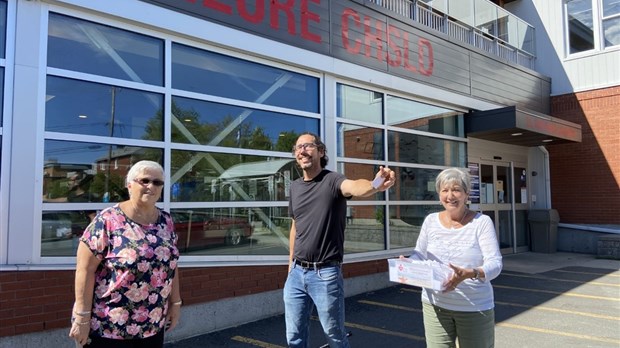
(406, 53)
(345, 30)
(369, 37)
(393, 32)
(287, 8)
(257, 17)
(217, 6)
(307, 16)
(426, 71)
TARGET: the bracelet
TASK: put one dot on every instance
(476, 274)
(180, 302)
(82, 323)
(82, 314)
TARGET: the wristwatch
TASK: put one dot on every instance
(476, 274)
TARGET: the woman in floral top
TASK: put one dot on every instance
(126, 280)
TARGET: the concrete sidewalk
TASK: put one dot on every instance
(532, 263)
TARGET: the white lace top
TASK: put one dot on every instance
(473, 245)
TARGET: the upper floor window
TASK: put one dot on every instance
(592, 24)
(611, 22)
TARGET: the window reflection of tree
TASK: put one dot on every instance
(228, 130)
(190, 160)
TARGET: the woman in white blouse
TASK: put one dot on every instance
(466, 241)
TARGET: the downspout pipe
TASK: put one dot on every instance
(547, 176)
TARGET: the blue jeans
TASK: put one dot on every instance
(324, 287)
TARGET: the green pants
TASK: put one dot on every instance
(442, 327)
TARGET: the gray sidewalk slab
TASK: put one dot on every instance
(531, 262)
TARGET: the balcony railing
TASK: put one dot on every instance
(479, 30)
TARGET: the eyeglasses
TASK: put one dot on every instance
(304, 146)
(147, 181)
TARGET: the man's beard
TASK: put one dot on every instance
(306, 165)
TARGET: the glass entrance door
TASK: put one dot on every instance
(502, 195)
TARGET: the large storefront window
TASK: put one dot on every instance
(360, 142)
(232, 231)
(222, 177)
(415, 148)
(90, 172)
(215, 74)
(97, 49)
(81, 107)
(413, 115)
(360, 104)
(417, 139)
(217, 124)
(224, 139)
(406, 221)
(416, 184)
(82, 174)
(358, 170)
(365, 229)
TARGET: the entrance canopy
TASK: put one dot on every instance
(516, 126)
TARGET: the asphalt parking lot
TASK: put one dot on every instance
(542, 300)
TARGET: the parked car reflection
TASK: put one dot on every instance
(59, 225)
(197, 230)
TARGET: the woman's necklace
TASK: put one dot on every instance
(453, 224)
(146, 218)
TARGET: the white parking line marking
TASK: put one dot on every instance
(379, 330)
(559, 333)
(255, 342)
(385, 332)
(387, 305)
(558, 293)
(543, 308)
(558, 310)
(559, 279)
(588, 273)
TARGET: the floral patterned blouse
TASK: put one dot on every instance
(134, 279)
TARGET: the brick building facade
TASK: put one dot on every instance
(585, 177)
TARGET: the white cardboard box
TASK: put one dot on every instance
(425, 274)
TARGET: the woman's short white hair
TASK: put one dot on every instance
(141, 167)
(453, 176)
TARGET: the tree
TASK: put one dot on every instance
(259, 140)
(286, 140)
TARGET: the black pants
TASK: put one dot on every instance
(156, 341)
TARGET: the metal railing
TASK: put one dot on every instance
(458, 30)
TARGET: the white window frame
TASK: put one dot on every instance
(5, 127)
(602, 33)
(597, 28)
